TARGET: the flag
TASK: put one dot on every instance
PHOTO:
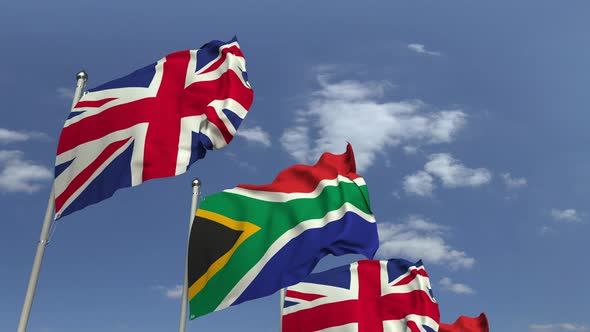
(251, 241)
(467, 324)
(152, 123)
(365, 296)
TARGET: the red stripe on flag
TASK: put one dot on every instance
(413, 326)
(411, 276)
(417, 302)
(305, 178)
(235, 50)
(303, 296)
(323, 317)
(93, 103)
(369, 274)
(161, 140)
(83, 176)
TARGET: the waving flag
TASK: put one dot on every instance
(251, 241)
(366, 296)
(152, 123)
(467, 324)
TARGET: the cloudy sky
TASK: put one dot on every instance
(469, 122)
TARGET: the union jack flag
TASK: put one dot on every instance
(365, 296)
(152, 123)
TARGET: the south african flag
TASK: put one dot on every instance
(250, 241)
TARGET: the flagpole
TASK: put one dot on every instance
(81, 78)
(282, 304)
(196, 187)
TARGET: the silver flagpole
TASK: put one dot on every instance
(196, 187)
(281, 303)
(81, 77)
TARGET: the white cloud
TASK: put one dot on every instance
(420, 184)
(66, 93)
(174, 292)
(565, 215)
(20, 175)
(11, 136)
(418, 238)
(449, 170)
(408, 149)
(420, 224)
(349, 90)
(350, 111)
(558, 327)
(454, 174)
(256, 135)
(513, 183)
(448, 285)
(296, 141)
(420, 48)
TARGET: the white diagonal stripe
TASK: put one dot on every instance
(233, 106)
(280, 197)
(122, 96)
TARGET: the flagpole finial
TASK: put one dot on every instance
(82, 75)
(196, 182)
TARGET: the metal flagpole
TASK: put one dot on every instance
(282, 304)
(196, 187)
(81, 77)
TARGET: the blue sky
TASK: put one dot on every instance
(469, 122)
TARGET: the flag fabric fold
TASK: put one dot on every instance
(152, 123)
(251, 241)
(467, 324)
(365, 296)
